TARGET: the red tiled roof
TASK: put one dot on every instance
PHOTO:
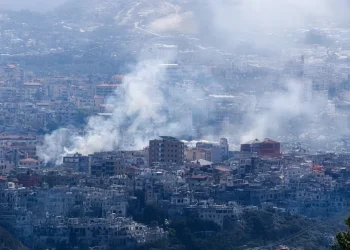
(3, 178)
(267, 140)
(29, 160)
(317, 168)
(222, 169)
(199, 177)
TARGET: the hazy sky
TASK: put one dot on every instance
(34, 5)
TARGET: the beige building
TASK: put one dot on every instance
(193, 154)
(166, 150)
(212, 154)
(30, 89)
(6, 167)
(29, 163)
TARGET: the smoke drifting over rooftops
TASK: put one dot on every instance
(282, 108)
(139, 113)
(138, 104)
(143, 105)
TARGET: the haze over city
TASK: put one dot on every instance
(32, 5)
(125, 123)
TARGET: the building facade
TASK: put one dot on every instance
(166, 150)
(265, 148)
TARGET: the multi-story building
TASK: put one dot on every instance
(216, 213)
(6, 167)
(207, 151)
(29, 163)
(105, 89)
(213, 154)
(166, 150)
(109, 164)
(266, 148)
(32, 90)
(166, 53)
(77, 162)
(6, 138)
(224, 148)
(117, 79)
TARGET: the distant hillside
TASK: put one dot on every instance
(151, 17)
(159, 16)
(123, 12)
(8, 242)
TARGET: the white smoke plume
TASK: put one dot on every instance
(280, 109)
(141, 108)
(137, 103)
(272, 25)
(290, 116)
(139, 112)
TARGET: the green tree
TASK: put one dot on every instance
(80, 118)
(38, 95)
(51, 126)
(343, 238)
(153, 213)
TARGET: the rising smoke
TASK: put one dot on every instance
(145, 106)
(136, 104)
(139, 112)
(279, 110)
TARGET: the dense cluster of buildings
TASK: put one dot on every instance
(90, 200)
(32, 104)
(54, 75)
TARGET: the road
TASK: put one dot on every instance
(147, 31)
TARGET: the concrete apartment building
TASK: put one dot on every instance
(106, 89)
(265, 148)
(166, 150)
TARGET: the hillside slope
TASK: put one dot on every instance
(8, 242)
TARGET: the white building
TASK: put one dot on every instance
(218, 213)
